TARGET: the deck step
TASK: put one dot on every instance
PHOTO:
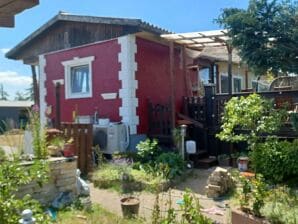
(206, 163)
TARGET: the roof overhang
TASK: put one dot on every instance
(9, 8)
(199, 40)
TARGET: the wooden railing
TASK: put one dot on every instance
(82, 136)
(209, 109)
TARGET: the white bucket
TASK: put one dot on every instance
(191, 147)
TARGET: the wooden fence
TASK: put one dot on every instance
(83, 137)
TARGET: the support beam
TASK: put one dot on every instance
(230, 75)
(172, 84)
(35, 85)
(58, 109)
(211, 73)
(246, 77)
(217, 78)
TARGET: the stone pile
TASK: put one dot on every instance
(219, 183)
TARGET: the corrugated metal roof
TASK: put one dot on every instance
(199, 40)
(63, 16)
(25, 104)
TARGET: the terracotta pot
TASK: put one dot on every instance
(69, 150)
(239, 217)
(130, 206)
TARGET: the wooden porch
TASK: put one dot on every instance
(203, 116)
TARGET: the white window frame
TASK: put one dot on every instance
(233, 76)
(67, 73)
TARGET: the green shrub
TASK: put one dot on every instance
(276, 160)
(171, 164)
(12, 176)
(148, 150)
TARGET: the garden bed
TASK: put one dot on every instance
(109, 177)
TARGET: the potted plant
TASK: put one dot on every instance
(129, 204)
(55, 146)
(69, 148)
(223, 160)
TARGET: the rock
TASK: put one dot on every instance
(219, 183)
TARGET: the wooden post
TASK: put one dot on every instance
(230, 75)
(211, 73)
(35, 85)
(58, 109)
(246, 77)
(172, 84)
(217, 78)
(187, 90)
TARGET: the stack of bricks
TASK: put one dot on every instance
(219, 183)
(62, 178)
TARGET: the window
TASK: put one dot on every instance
(78, 77)
(224, 84)
(236, 84)
(204, 75)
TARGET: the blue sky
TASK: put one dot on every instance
(173, 15)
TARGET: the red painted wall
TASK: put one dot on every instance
(153, 76)
(105, 68)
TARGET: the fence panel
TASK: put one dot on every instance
(82, 136)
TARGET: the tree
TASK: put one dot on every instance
(20, 96)
(3, 94)
(30, 92)
(266, 35)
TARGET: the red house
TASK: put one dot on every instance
(107, 65)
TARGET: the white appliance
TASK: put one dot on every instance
(111, 138)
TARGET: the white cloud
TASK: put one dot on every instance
(4, 50)
(14, 82)
(15, 79)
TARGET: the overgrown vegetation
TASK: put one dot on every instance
(109, 176)
(188, 212)
(13, 175)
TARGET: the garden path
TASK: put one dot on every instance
(197, 182)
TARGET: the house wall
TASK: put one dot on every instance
(105, 68)
(237, 71)
(153, 76)
(134, 68)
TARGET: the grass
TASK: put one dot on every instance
(97, 215)
(109, 177)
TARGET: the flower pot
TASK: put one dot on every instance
(54, 150)
(130, 206)
(243, 163)
(239, 217)
(69, 150)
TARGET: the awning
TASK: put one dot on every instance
(199, 40)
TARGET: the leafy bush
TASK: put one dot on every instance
(282, 206)
(171, 164)
(12, 176)
(276, 160)
(148, 150)
(253, 115)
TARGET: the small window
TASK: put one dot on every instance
(79, 80)
(204, 75)
(224, 82)
(236, 85)
(78, 77)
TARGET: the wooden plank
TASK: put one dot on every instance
(6, 21)
(13, 7)
(58, 105)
